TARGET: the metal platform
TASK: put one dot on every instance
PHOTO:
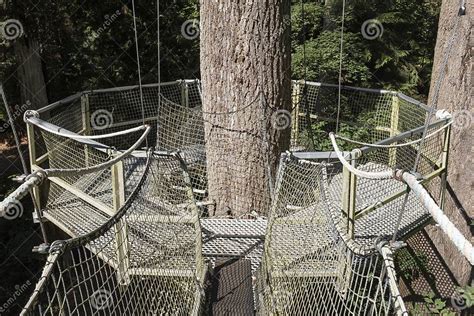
(222, 237)
(227, 238)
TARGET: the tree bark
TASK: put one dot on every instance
(455, 95)
(245, 70)
(30, 73)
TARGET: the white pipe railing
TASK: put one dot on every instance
(360, 173)
(463, 245)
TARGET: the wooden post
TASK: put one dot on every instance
(295, 115)
(349, 207)
(346, 189)
(394, 128)
(121, 236)
(30, 130)
(349, 190)
(184, 94)
(349, 194)
(86, 124)
(444, 165)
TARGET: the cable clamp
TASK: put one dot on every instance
(30, 113)
(398, 174)
(20, 178)
(417, 175)
(443, 114)
(396, 245)
(42, 249)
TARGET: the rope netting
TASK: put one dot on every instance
(311, 266)
(137, 224)
(179, 123)
(144, 260)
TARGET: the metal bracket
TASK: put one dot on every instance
(20, 178)
(417, 175)
(462, 9)
(42, 249)
(396, 245)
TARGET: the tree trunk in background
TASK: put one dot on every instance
(245, 70)
(456, 96)
(30, 73)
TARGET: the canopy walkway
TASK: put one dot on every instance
(143, 238)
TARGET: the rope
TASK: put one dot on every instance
(305, 77)
(305, 63)
(23, 164)
(138, 64)
(31, 181)
(340, 66)
(158, 66)
(359, 173)
(47, 271)
(40, 175)
(396, 145)
(463, 245)
(387, 255)
(65, 133)
(87, 170)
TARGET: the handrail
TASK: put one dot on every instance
(66, 100)
(78, 95)
(378, 145)
(463, 245)
(359, 173)
(49, 127)
(387, 255)
(331, 85)
(31, 181)
(318, 155)
(38, 176)
(404, 135)
(60, 131)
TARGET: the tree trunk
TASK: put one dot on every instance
(30, 73)
(245, 70)
(456, 96)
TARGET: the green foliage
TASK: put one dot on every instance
(306, 24)
(317, 138)
(411, 266)
(322, 56)
(401, 59)
(90, 44)
(437, 306)
(467, 294)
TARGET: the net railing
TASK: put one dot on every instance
(378, 203)
(365, 115)
(323, 219)
(311, 266)
(174, 111)
(145, 260)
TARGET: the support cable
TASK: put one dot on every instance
(138, 64)
(432, 110)
(305, 77)
(158, 66)
(340, 66)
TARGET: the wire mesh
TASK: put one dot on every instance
(156, 243)
(144, 260)
(308, 268)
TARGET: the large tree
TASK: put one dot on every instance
(245, 71)
(455, 95)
